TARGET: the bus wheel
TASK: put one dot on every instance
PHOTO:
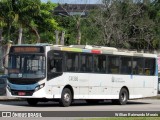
(32, 101)
(123, 97)
(66, 98)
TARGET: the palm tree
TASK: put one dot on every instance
(25, 11)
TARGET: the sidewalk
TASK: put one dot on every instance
(5, 98)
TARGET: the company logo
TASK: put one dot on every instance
(6, 114)
(21, 114)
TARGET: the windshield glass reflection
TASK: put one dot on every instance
(26, 66)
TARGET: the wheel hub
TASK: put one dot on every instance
(123, 97)
(67, 97)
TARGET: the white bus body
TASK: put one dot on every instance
(91, 86)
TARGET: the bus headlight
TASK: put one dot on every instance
(39, 87)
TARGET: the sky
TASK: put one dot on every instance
(74, 1)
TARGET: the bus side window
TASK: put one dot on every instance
(149, 68)
(125, 65)
(71, 62)
(83, 67)
(86, 63)
(138, 66)
(99, 63)
(49, 62)
(113, 65)
(54, 64)
(96, 67)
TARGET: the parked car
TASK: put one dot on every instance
(3, 84)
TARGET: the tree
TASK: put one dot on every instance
(33, 18)
(69, 9)
(46, 24)
(125, 24)
(7, 16)
(154, 14)
(25, 10)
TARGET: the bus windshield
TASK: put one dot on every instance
(26, 66)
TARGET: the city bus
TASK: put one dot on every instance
(44, 72)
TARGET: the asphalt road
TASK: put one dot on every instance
(132, 105)
(53, 108)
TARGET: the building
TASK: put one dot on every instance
(74, 9)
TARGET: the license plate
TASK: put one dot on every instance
(21, 93)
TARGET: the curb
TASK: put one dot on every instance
(5, 98)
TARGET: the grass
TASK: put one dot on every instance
(124, 118)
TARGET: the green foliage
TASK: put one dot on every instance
(123, 118)
(69, 26)
(46, 17)
(90, 33)
(34, 17)
(127, 24)
(118, 23)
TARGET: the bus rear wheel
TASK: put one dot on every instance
(123, 97)
(66, 98)
(32, 101)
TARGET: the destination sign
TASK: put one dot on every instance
(24, 49)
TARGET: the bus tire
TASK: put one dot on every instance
(123, 97)
(66, 98)
(32, 101)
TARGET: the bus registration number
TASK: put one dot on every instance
(21, 93)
